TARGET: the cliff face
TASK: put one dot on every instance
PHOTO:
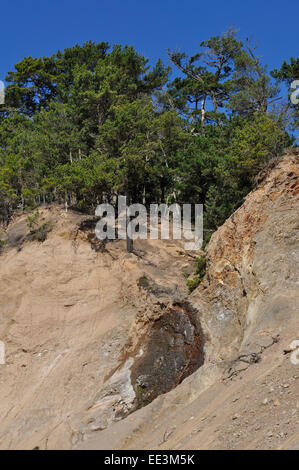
(250, 292)
(246, 393)
(92, 335)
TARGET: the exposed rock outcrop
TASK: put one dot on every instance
(246, 393)
(251, 288)
(79, 322)
(93, 333)
(171, 351)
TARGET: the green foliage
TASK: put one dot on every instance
(253, 90)
(39, 229)
(206, 78)
(2, 245)
(90, 122)
(200, 272)
(143, 282)
(255, 143)
(287, 74)
(40, 233)
(33, 220)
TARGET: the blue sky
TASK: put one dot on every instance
(37, 27)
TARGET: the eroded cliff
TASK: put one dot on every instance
(246, 395)
(93, 335)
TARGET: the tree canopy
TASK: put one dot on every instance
(91, 122)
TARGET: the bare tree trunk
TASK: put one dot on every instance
(215, 103)
(130, 244)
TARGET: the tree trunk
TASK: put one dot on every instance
(215, 103)
(130, 244)
(203, 117)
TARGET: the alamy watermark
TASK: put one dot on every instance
(294, 347)
(2, 92)
(2, 353)
(295, 94)
(160, 221)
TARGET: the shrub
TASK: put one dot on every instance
(2, 245)
(38, 228)
(200, 272)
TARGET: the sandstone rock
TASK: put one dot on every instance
(78, 325)
(248, 297)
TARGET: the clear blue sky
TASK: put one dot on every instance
(38, 27)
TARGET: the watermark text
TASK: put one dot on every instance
(2, 92)
(2, 353)
(159, 221)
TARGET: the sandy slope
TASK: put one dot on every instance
(247, 393)
(67, 315)
(76, 322)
